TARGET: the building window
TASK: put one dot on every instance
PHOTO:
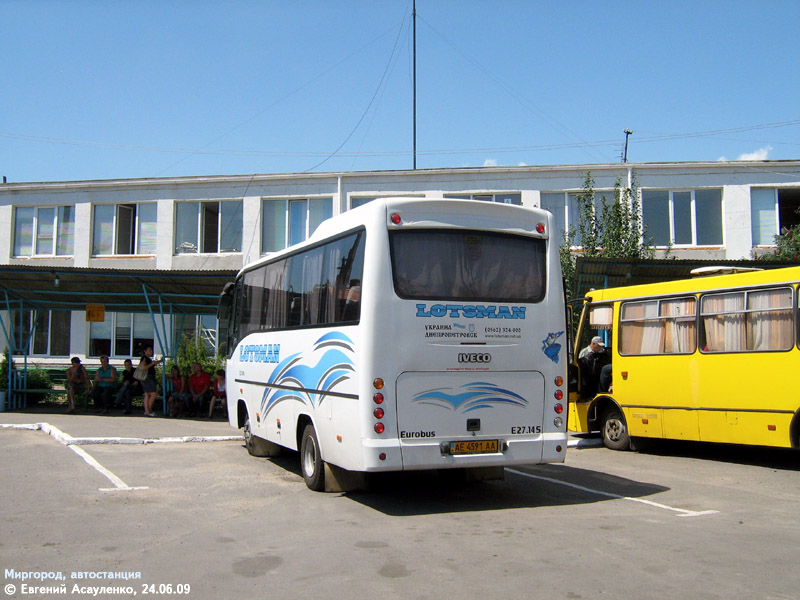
(772, 210)
(501, 198)
(202, 329)
(124, 229)
(566, 210)
(208, 227)
(44, 231)
(683, 218)
(121, 335)
(356, 201)
(288, 222)
(51, 330)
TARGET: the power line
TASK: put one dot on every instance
(441, 151)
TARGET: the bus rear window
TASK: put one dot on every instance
(454, 264)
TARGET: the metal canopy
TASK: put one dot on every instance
(159, 293)
(69, 288)
(600, 273)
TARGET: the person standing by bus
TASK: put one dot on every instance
(149, 384)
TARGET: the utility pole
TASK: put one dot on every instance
(414, 21)
(627, 133)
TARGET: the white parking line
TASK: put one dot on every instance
(75, 443)
(682, 512)
(90, 460)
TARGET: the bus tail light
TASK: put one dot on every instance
(558, 395)
(378, 398)
(558, 422)
(540, 228)
(377, 383)
(378, 412)
(379, 428)
(559, 408)
(395, 219)
(559, 381)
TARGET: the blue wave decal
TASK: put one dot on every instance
(471, 396)
(307, 383)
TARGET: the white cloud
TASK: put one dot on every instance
(490, 162)
(760, 154)
(522, 164)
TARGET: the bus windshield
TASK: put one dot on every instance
(453, 264)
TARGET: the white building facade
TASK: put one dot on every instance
(710, 211)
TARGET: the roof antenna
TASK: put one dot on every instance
(627, 133)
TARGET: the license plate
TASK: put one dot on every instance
(474, 447)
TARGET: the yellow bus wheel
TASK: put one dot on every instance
(615, 430)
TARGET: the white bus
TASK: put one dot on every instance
(405, 334)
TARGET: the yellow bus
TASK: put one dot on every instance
(711, 359)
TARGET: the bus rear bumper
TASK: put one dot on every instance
(424, 455)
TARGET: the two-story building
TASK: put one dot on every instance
(161, 234)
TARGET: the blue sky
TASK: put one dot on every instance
(112, 89)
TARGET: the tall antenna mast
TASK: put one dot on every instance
(414, 21)
(627, 133)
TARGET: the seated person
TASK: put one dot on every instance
(105, 384)
(219, 396)
(178, 398)
(592, 361)
(199, 389)
(130, 387)
(78, 382)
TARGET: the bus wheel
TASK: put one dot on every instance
(311, 460)
(615, 431)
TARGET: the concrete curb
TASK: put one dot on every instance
(68, 440)
(585, 443)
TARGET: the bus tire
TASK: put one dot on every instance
(615, 430)
(311, 460)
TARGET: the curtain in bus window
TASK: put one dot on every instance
(641, 330)
(277, 297)
(339, 258)
(252, 301)
(769, 322)
(723, 322)
(459, 265)
(679, 327)
(312, 292)
(348, 280)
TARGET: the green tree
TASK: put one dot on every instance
(191, 349)
(608, 228)
(787, 246)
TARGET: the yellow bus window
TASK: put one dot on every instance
(658, 327)
(754, 321)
